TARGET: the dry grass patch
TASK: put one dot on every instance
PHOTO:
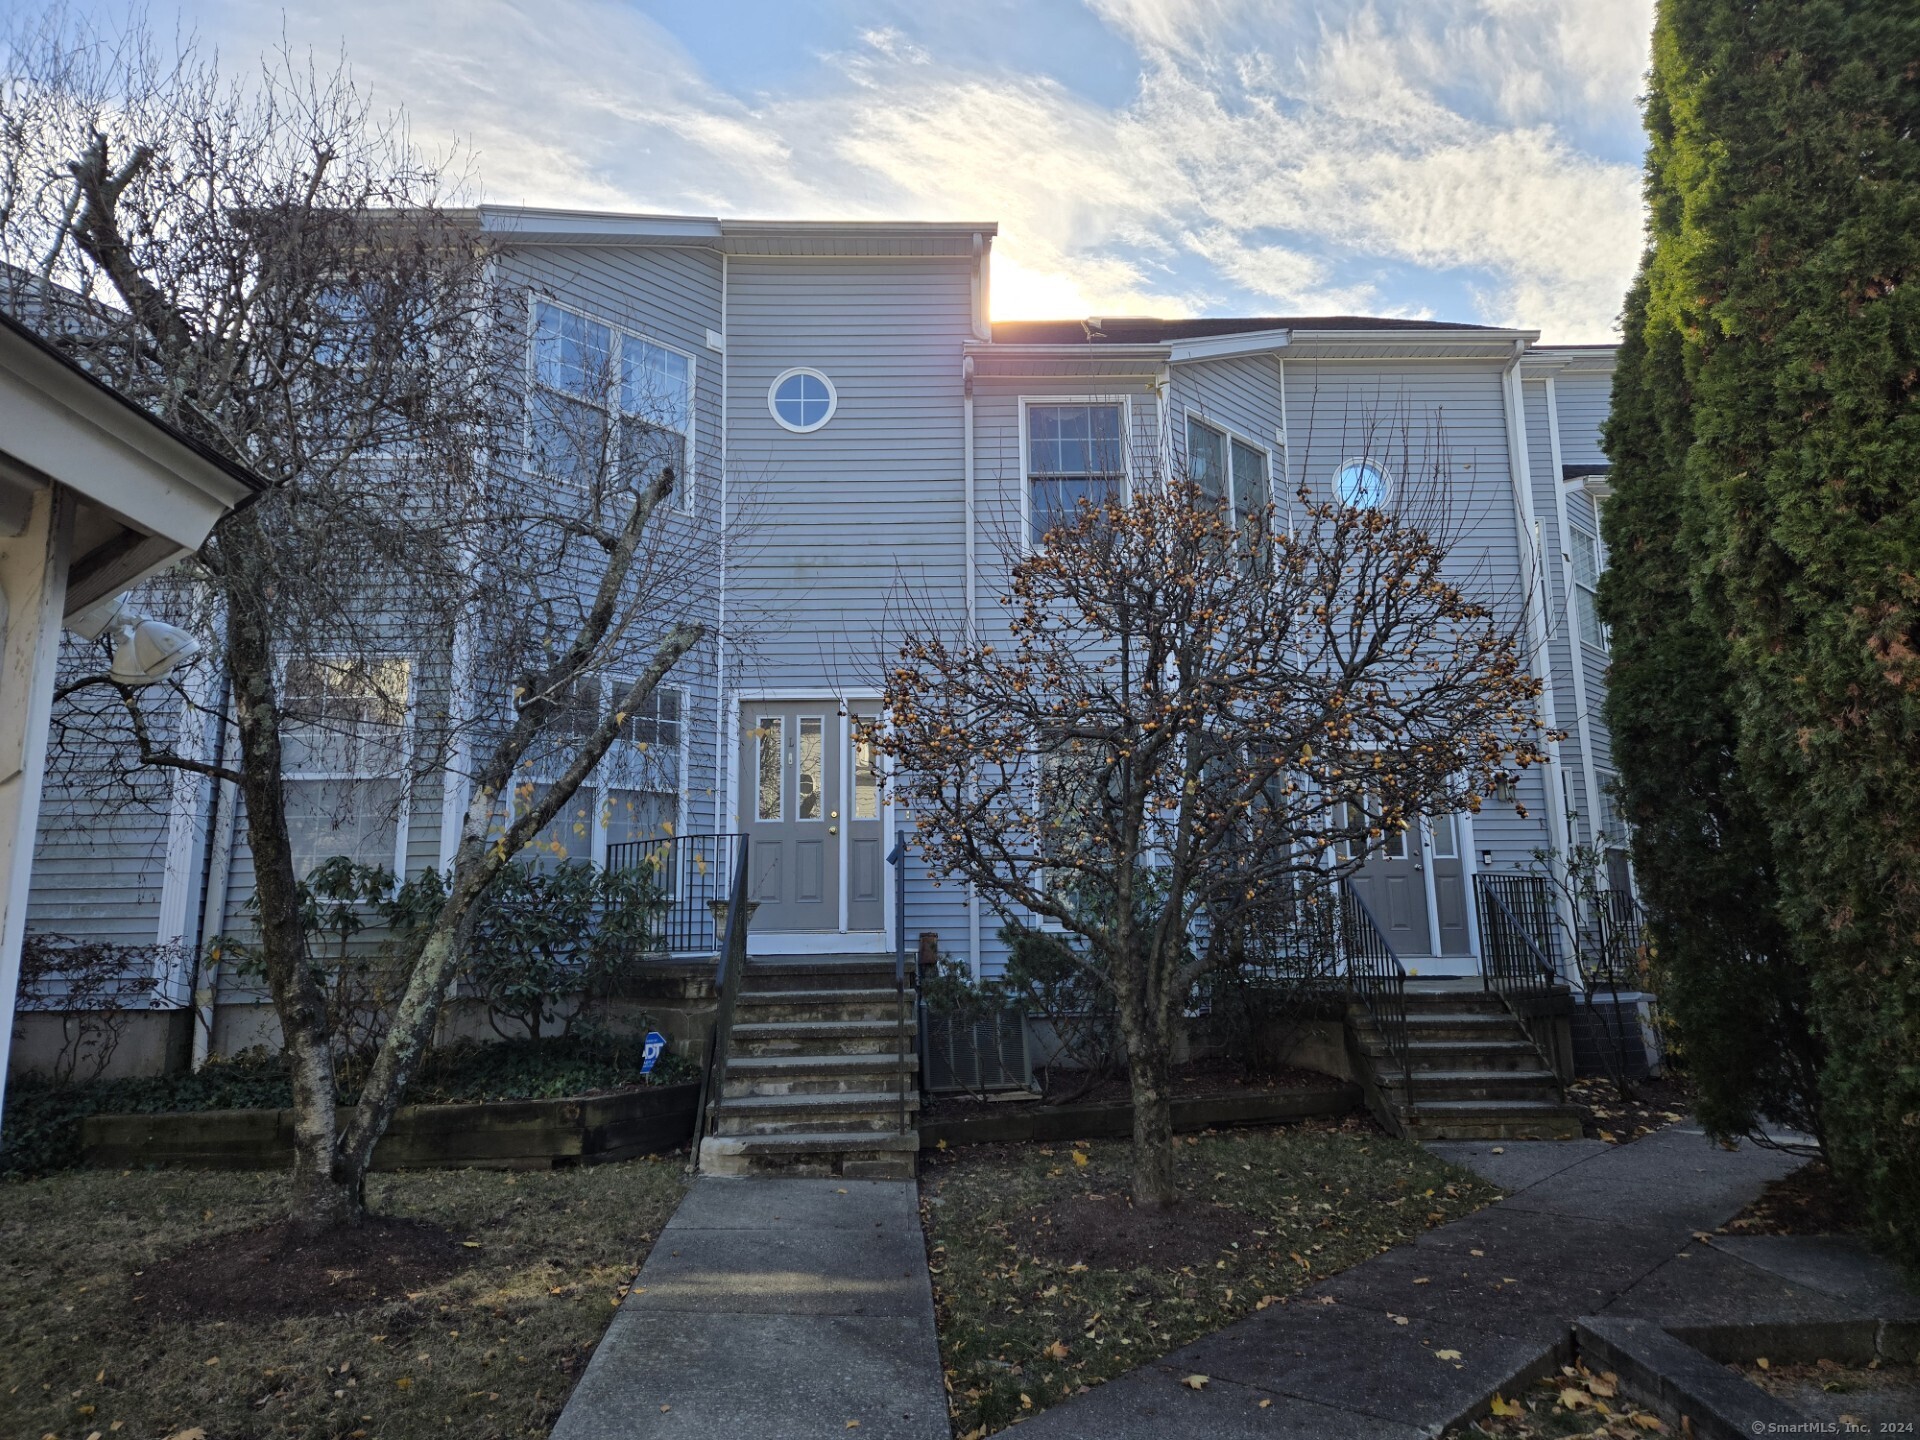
(490, 1350)
(1047, 1282)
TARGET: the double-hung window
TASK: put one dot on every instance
(1587, 565)
(607, 407)
(344, 759)
(1075, 454)
(1229, 472)
(634, 794)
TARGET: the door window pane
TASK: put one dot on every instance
(866, 778)
(771, 733)
(1444, 847)
(808, 769)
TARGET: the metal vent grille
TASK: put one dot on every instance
(985, 1052)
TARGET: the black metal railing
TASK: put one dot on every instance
(1377, 979)
(1611, 940)
(897, 858)
(727, 975)
(689, 873)
(1517, 926)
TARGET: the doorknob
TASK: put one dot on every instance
(833, 829)
(833, 814)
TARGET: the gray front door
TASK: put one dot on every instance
(1394, 885)
(790, 775)
(1449, 886)
(866, 858)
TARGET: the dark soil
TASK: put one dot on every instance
(1196, 1079)
(271, 1274)
(1105, 1231)
(1807, 1202)
(1654, 1104)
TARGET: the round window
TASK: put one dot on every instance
(802, 400)
(1361, 484)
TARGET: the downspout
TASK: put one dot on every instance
(1534, 568)
(723, 778)
(968, 498)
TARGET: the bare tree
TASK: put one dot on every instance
(1192, 718)
(455, 574)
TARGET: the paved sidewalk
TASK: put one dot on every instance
(773, 1308)
(1371, 1352)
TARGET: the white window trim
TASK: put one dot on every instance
(1125, 402)
(1574, 583)
(833, 399)
(1387, 482)
(610, 403)
(1191, 413)
(404, 775)
(598, 786)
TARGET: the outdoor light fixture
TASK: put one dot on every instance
(145, 650)
(1503, 786)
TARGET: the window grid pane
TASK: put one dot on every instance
(808, 770)
(772, 738)
(1073, 454)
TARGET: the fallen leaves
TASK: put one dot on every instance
(1080, 1157)
(1446, 1354)
(1056, 1351)
(1196, 1382)
(1506, 1409)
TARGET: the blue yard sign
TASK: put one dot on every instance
(656, 1045)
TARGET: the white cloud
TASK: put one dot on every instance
(1269, 151)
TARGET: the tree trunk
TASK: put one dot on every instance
(323, 1193)
(1149, 1076)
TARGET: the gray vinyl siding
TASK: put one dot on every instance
(1582, 399)
(100, 852)
(1441, 428)
(1241, 395)
(842, 536)
(1563, 641)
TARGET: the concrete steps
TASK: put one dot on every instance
(815, 1073)
(1476, 1075)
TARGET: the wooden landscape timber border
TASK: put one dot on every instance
(500, 1135)
(1035, 1121)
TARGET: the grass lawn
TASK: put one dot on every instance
(491, 1350)
(1046, 1281)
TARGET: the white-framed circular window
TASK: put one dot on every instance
(1361, 483)
(802, 399)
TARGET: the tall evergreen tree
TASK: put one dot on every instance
(1728, 974)
(1785, 175)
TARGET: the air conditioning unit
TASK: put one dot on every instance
(973, 1052)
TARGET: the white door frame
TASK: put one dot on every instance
(817, 942)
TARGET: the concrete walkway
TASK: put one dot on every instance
(1412, 1341)
(777, 1309)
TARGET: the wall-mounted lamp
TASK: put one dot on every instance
(145, 650)
(1486, 859)
(1503, 781)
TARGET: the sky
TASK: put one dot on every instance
(1443, 159)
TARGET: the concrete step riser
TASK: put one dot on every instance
(1430, 1092)
(1497, 1130)
(887, 1048)
(821, 1165)
(1494, 1063)
(880, 1122)
(854, 1082)
(818, 977)
(752, 1011)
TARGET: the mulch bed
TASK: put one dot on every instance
(1807, 1202)
(272, 1274)
(1104, 1230)
(1198, 1079)
(1656, 1103)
